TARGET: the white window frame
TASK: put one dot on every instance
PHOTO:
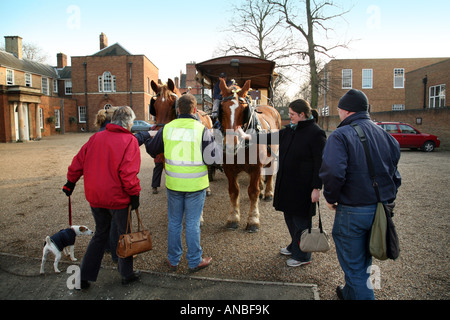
(100, 84)
(107, 81)
(68, 86)
(399, 75)
(436, 96)
(82, 114)
(398, 107)
(55, 86)
(347, 78)
(9, 77)
(28, 80)
(57, 118)
(367, 78)
(44, 84)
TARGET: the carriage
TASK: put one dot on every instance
(249, 108)
(237, 110)
(240, 68)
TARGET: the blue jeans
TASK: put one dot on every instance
(351, 232)
(189, 204)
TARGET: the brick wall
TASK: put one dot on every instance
(383, 94)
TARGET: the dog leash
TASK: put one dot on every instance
(70, 212)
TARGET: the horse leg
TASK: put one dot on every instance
(233, 189)
(268, 192)
(253, 194)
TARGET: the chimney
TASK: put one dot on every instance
(13, 44)
(103, 41)
(61, 59)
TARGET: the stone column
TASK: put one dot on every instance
(21, 122)
(38, 123)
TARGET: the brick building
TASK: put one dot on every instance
(112, 77)
(382, 80)
(32, 102)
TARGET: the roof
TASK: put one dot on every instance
(113, 50)
(11, 61)
(259, 71)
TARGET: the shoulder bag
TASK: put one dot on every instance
(134, 242)
(383, 242)
(315, 239)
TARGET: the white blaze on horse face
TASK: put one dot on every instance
(233, 108)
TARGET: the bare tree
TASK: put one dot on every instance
(258, 30)
(34, 53)
(308, 18)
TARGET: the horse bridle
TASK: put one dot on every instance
(152, 105)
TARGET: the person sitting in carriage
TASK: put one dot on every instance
(217, 97)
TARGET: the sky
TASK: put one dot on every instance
(173, 33)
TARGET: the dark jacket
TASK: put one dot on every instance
(64, 238)
(299, 163)
(344, 171)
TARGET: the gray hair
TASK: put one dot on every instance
(124, 117)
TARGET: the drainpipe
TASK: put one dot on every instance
(425, 81)
(86, 96)
(131, 88)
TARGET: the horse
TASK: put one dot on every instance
(257, 160)
(164, 105)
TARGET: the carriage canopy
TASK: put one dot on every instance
(239, 68)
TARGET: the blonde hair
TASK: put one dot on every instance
(104, 115)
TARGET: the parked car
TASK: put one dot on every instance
(409, 137)
(141, 125)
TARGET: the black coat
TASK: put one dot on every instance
(300, 159)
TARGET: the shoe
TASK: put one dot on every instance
(340, 292)
(285, 252)
(136, 275)
(296, 263)
(155, 190)
(172, 268)
(84, 285)
(203, 264)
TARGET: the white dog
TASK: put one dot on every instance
(63, 241)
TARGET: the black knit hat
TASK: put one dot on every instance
(354, 101)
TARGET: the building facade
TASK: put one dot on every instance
(382, 80)
(109, 78)
(31, 102)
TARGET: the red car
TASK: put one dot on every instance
(409, 137)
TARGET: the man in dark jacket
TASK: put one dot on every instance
(348, 188)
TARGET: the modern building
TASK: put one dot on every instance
(382, 80)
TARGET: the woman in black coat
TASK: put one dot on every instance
(298, 185)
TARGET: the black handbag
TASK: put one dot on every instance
(383, 242)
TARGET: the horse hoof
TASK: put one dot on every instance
(252, 228)
(208, 193)
(268, 198)
(232, 225)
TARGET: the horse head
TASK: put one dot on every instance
(233, 110)
(165, 103)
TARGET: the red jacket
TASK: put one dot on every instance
(110, 163)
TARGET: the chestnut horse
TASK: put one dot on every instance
(258, 160)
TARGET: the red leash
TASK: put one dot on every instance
(70, 212)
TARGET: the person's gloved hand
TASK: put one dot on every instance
(134, 202)
(68, 188)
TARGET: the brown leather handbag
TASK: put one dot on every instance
(134, 242)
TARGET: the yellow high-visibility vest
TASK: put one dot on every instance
(184, 167)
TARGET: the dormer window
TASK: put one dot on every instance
(107, 82)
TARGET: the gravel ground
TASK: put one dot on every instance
(32, 206)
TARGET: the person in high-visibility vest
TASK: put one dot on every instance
(188, 147)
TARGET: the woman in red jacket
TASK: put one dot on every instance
(110, 163)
